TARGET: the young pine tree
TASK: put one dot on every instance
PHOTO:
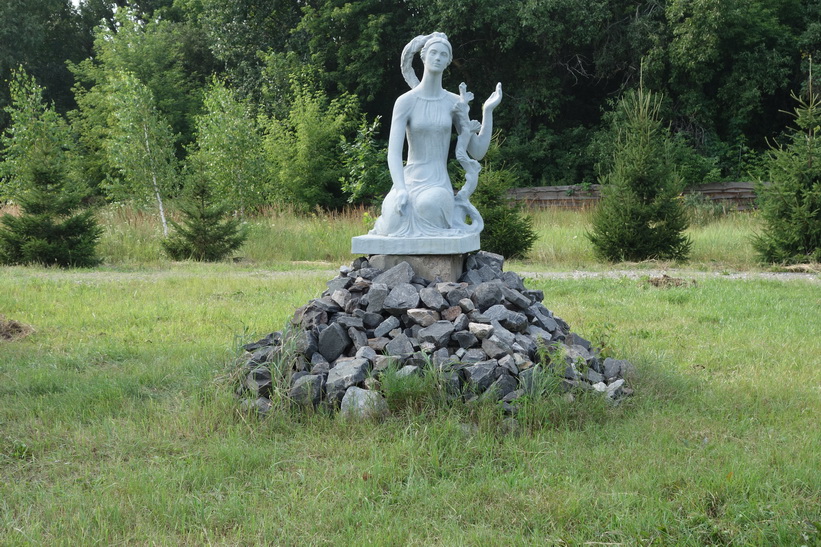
(639, 216)
(791, 204)
(208, 232)
(52, 229)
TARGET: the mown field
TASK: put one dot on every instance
(118, 425)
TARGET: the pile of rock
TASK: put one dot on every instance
(486, 334)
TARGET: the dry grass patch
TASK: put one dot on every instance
(11, 330)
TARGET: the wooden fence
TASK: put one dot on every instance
(733, 196)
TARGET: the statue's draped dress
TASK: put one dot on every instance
(430, 208)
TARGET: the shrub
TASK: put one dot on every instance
(508, 230)
(639, 216)
(207, 232)
(791, 204)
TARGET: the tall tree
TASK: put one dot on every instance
(228, 153)
(639, 217)
(140, 145)
(52, 228)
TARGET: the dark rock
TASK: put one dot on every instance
(471, 277)
(465, 339)
(534, 295)
(368, 273)
(593, 377)
(321, 368)
(264, 355)
(366, 352)
(467, 305)
(461, 322)
(486, 273)
(511, 320)
(481, 330)
(313, 317)
(473, 355)
(495, 348)
(333, 341)
(401, 345)
(260, 405)
(376, 297)
(513, 281)
(509, 363)
(433, 299)
(360, 262)
(378, 344)
(344, 375)
(455, 294)
(613, 368)
(487, 294)
(326, 303)
(538, 334)
(513, 395)
(408, 370)
(401, 298)
(401, 274)
(484, 258)
(574, 339)
(258, 381)
(438, 333)
(516, 298)
(307, 390)
(371, 320)
(358, 337)
(481, 375)
(503, 385)
(350, 322)
(527, 344)
(441, 358)
(386, 326)
(504, 335)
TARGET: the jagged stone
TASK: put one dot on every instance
(423, 316)
(513, 281)
(503, 385)
(481, 330)
(516, 298)
(456, 294)
(386, 326)
(400, 345)
(461, 322)
(333, 341)
(509, 363)
(495, 348)
(307, 390)
(438, 333)
(511, 320)
(258, 381)
(402, 297)
(363, 404)
(344, 375)
(358, 338)
(481, 375)
(465, 339)
(408, 370)
(473, 355)
(487, 294)
(467, 305)
(400, 274)
(451, 313)
(378, 344)
(376, 297)
(366, 352)
(484, 258)
(348, 322)
(433, 299)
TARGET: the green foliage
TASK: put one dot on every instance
(305, 149)
(208, 232)
(140, 144)
(228, 152)
(791, 203)
(50, 230)
(368, 179)
(508, 230)
(639, 216)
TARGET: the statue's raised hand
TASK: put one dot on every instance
(494, 99)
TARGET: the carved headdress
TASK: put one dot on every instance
(420, 44)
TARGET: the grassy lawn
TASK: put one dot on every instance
(117, 424)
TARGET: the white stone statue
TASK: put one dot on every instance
(421, 215)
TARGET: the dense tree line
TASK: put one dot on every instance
(303, 79)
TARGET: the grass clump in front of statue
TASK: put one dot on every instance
(52, 229)
(791, 203)
(208, 232)
(640, 216)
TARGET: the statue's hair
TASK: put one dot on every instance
(417, 45)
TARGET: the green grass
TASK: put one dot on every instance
(117, 426)
(279, 239)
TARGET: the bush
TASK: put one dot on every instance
(208, 232)
(639, 216)
(508, 231)
(791, 204)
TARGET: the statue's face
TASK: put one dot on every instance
(437, 57)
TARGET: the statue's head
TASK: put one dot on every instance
(437, 41)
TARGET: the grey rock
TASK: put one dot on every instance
(363, 404)
(455, 294)
(593, 377)
(513, 281)
(487, 294)
(408, 370)
(378, 344)
(509, 363)
(473, 355)
(305, 343)
(260, 405)
(344, 375)
(382, 362)
(495, 348)
(486, 273)
(538, 335)
(386, 326)
(339, 283)
(472, 277)
(504, 335)
(371, 320)
(441, 358)
(327, 304)
(461, 322)
(614, 390)
(333, 341)
(513, 395)
(480, 330)
(264, 355)
(423, 316)
(451, 313)
(307, 390)
(348, 322)
(467, 305)
(613, 367)
(516, 298)
(481, 375)
(401, 345)
(376, 297)
(366, 352)
(534, 295)
(511, 320)
(341, 297)
(574, 339)
(465, 339)
(400, 274)
(358, 337)
(321, 368)
(484, 258)
(438, 333)
(433, 299)
(402, 297)
(528, 344)
(258, 381)
(503, 385)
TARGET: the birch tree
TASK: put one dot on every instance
(140, 145)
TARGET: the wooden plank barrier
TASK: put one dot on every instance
(733, 196)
